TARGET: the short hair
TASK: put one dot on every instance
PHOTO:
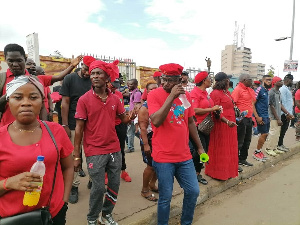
(135, 81)
(150, 82)
(288, 76)
(243, 77)
(14, 48)
(220, 85)
(267, 75)
(200, 83)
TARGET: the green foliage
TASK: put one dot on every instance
(271, 71)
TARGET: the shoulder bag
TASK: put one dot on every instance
(237, 111)
(207, 124)
(37, 217)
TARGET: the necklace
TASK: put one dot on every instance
(23, 130)
(103, 98)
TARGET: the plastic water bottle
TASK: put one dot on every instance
(32, 198)
(185, 103)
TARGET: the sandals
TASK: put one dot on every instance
(155, 190)
(150, 197)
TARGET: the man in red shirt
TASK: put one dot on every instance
(15, 58)
(172, 124)
(95, 117)
(244, 98)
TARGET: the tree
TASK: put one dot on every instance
(271, 71)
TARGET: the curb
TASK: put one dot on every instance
(212, 190)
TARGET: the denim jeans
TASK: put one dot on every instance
(130, 136)
(185, 174)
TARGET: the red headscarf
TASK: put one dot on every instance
(87, 60)
(157, 74)
(171, 69)
(111, 69)
(275, 80)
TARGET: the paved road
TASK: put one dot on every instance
(273, 201)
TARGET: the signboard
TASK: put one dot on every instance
(32, 42)
(290, 66)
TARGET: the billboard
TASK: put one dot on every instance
(290, 66)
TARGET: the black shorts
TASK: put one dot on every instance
(147, 158)
(264, 129)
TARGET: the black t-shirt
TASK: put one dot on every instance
(74, 87)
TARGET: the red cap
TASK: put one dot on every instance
(111, 69)
(87, 60)
(275, 80)
(256, 82)
(157, 74)
(200, 76)
(171, 69)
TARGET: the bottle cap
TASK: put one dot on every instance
(40, 158)
(204, 157)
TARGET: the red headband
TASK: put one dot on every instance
(111, 69)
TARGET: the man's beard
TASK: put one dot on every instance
(267, 86)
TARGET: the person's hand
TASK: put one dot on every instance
(77, 165)
(68, 131)
(259, 120)
(132, 114)
(279, 122)
(216, 108)
(231, 124)
(290, 117)
(76, 61)
(177, 90)
(147, 150)
(200, 151)
(26, 181)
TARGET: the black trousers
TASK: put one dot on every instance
(121, 130)
(244, 134)
(284, 127)
(60, 218)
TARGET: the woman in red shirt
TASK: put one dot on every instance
(21, 142)
(203, 106)
(223, 146)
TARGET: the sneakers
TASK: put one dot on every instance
(245, 163)
(259, 156)
(107, 220)
(270, 152)
(81, 173)
(95, 222)
(277, 151)
(73, 198)
(283, 148)
(125, 176)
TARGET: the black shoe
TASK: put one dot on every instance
(73, 198)
(240, 169)
(89, 185)
(201, 179)
(81, 173)
(245, 163)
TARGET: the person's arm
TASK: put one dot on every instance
(67, 167)
(77, 143)
(194, 135)
(259, 119)
(201, 111)
(125, 93)
(127, 118)
(65, 105)
(272, 102)
(297, 102)
(43, 113)
(288, 115)
(74, 63)
(159, 116)
(50, 104)
(143, 121)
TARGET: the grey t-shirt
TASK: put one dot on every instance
(275, 100)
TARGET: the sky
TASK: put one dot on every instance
(155, 32)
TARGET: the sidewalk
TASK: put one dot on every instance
(132, 209)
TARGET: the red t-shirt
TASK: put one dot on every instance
(200, 99)
(244, 97)
(297, 97)
(170, 141)
(46, 101)
(7, 117)
(15, 159)
(100, 135)
(144, 95)
(120, 96)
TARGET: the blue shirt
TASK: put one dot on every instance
(262, 102)
(286, 99)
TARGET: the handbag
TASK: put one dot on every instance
(207, 124)
(237, 111)
(40, 216)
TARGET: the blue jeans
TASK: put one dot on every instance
(186, 176)
(130, 136)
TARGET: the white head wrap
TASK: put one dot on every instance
(19, 81)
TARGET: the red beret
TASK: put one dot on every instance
(275, 80)
(157, 74)
(256, 82)
(87, 60)
(200, 76)
(111, 69)
(171, 69)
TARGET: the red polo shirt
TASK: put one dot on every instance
(244, 97)
(170, 141)
(100, 135)
(120, 96)
(7, 117)
(200, 99)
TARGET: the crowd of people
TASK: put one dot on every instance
(99, 113)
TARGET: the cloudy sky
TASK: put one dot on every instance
(154, 32)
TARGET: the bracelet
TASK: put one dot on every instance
(64, 125)
(77, 158)
(4, 184)
(227, 122)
